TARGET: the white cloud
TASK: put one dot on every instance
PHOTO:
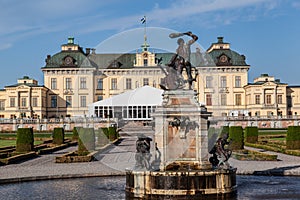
(33, 17)
(4, 46)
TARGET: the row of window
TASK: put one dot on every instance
(23, 102)
(68, 83)
(128, 83)
(125, 112)
(268, 99)
(83, 102)
(238, 99)
(223, 102)
(223, 82)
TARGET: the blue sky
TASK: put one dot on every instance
(267, 32)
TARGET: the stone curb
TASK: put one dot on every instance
(63, 176)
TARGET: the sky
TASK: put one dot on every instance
(267, 32)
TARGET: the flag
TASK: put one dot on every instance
(143, 20)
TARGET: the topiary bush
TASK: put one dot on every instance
(86, 140)
(236, 137)
(293, 137)
(112, 132)
(75, 135)
(105, 131)
(25, 140)
(251, 134)
(102, 139)
(58, 136)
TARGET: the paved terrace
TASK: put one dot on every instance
(116, 158)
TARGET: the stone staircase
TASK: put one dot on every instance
(136, 129)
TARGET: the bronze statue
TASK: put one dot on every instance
(221, 154)
(180, 61)
(143, 155)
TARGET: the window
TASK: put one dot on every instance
(268, 99)
(82, 83)
(53, 101)
(137, 84)
(12, 102)
(34, 101)
(128, 83)
(68, 101)
(238, 99)
(23, 102)
(208, 99)
(223, 82)
(53, 83)
(223, 99)
(68, 83)
(209, 82)
(289, 101)
(154, 83)
(145, 62)
(279, 99)
(257, 99)
(2, 105)
(113, 84)
(238, 82)
(162, 81)
(82, 101)
(99, 98)
(100, 84)
(146, 81)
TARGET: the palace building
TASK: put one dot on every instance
(75, 78)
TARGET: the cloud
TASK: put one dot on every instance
(5, 46)
(34, 17)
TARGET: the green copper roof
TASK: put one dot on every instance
(235, 58)
(79, 60)
(123, 61)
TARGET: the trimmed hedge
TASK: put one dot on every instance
(102, 138)
(236, 137)
(75, 135)
(293, 137)
(86, 140)
(58, 136)
(111, 133)
(25, 140)
(251, 134)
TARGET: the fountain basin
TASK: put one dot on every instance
(194, 183)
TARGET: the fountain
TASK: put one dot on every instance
(181, 167)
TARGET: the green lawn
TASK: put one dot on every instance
(5, 143)
(36, 135)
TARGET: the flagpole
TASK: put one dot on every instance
(145, 33)
(145, 45)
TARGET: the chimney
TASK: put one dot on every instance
(87, 51)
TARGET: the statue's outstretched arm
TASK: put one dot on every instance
(194, 37)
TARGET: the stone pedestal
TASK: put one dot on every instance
(181, 168)
(181, 131)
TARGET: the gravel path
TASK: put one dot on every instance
(116, 158)
(285, 165)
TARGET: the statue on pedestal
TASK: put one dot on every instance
(180, 61)
(143, 155)
(221, 154)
